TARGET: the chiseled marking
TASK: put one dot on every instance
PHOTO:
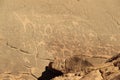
(113, 38)
(23, 19)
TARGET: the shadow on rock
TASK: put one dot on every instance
(50, 73)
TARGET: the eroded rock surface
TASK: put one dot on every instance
(35, 32)
(107, 71)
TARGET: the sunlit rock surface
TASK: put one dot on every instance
(34, 32)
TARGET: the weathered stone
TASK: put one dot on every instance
(94, 75)
(33, 33)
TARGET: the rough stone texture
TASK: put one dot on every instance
(95, 75)
(107, 71)
(34, 32)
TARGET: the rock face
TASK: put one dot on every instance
(107, 71)
(34, 33)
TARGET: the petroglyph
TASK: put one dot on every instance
(33, 33)
(24, 20)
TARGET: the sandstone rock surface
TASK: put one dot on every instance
(35, 32)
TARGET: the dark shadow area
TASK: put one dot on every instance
(50, 73)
